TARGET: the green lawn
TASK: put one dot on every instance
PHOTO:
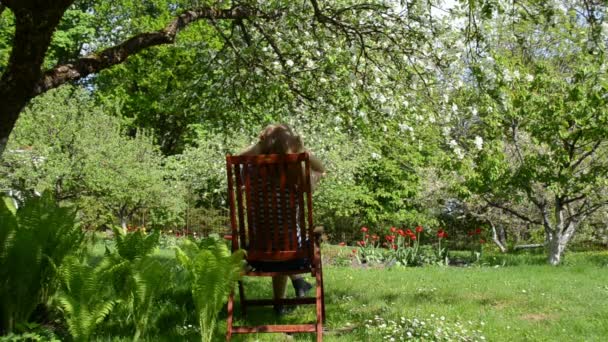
(510, 303)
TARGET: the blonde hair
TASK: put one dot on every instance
(279, 139)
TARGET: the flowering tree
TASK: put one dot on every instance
(282, 39)
(537, 96)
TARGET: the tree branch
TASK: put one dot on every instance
(513, 212)
(109, 57)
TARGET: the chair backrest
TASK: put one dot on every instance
(271, 206)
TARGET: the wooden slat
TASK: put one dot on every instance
(286, 301)
(302, 211)
(272, 274)
(284, 210)
(249, 203)
(294, 207)
(309, 204)
(239, 202)
(272, 180)
(267, 158)
(291, 328)
(263, 206)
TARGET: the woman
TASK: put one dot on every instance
(280, 139)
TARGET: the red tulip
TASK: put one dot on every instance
(478, 231)
(393, 229)
(409, 232)
(419, 229)
(364, 229)
(342, 244)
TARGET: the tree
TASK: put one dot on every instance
(361, 28)
(68, 145)
(537, 104)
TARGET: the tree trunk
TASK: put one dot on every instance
(123, 223)
(556, 246)
(558, 238)
(499, 236)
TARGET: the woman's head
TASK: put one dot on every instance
(279, 139)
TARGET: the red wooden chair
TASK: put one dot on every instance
(271, 218)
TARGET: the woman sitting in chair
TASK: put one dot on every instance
(280, 139)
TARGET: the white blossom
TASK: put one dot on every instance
(529, 78)
(478, 142)
(375, 156)
(289, 63)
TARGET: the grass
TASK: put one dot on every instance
(528, 301)
(512, 297)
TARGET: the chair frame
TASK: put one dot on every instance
(239, 195)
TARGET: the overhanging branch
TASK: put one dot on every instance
(109, 57)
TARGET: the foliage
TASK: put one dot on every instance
(86, 297)
(530, 123)
(68, 145)
(213, 271)
(33, 244)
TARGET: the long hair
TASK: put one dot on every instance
(279, 139)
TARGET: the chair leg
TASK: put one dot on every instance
(242, 298)
(322, 295)
(230, 314)
(319, 302)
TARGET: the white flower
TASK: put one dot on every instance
(453, 143)
(404, 127)
(289, 63)
(529, 78)
(516, 74)
(478, 142)
(454, 107)
(375, 156)
(381, 98)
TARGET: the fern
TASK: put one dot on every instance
(136, 244)
(136, 278)
(34, 240)
(213, 270)
(85, 298)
